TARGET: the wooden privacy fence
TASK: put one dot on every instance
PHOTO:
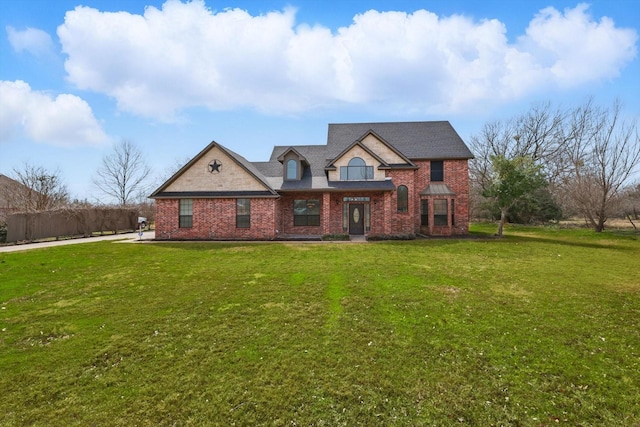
(69, 222)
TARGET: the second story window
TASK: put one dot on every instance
(357, 170)
(437, 170)
(292, 169)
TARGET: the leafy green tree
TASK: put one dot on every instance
(512, 181)
(540, 208)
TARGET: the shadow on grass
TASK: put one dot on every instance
(604, 242)
(610, 239)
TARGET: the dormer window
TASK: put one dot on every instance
(357, 170)
(291, 169)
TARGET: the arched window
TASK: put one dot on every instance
(357, 170)
(356, 161)
(292, 169)
(403, 198)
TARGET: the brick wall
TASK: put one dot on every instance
(215, 219)
(456, 177)
(403, 222)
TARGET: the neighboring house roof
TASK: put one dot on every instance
(415, 140)
(8, 186)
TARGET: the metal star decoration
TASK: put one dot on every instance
(215, 166)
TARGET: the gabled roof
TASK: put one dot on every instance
(241, 161)
(330, 164)
(313, 176)
(389, 146)
(436, 140)
(409, 141)
(294, 151)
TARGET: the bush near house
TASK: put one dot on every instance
(3, 232)
(538, 328)
(378, 237)
(336, 237)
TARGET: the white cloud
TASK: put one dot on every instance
(186, 55)
(65, 120)
(32, 40)
(574, 49)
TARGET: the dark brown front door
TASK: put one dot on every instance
(356, 218)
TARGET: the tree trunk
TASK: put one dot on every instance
(631, 221)
(503, 219)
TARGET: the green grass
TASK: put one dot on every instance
(538, 328)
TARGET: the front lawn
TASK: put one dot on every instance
(539, 328)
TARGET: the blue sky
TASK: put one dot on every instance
(173, 76)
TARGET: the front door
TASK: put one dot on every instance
(356, 218)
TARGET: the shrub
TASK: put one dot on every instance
(335, 237)
(407, 236)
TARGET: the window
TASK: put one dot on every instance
(186, 213)
(440, 212)
(306, 212)
(437, 170)
(357, 170)
(243, 213)
(424, 212)
(403, 199)
(292, 169)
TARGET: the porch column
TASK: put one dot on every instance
(326, 213)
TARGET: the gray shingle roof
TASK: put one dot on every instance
(416, 140)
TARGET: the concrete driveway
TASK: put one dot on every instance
(126, 237)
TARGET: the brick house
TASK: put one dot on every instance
(370, 178)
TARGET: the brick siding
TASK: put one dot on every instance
(216, 218)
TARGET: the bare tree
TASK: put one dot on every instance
(603, 153)
(37, 189)
(123, 173)
(631, 204)
(538, 134)
(589, 154)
